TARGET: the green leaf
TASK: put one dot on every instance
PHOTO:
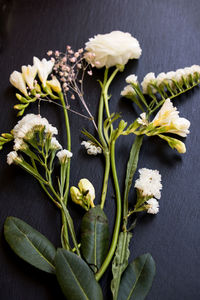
(94, 237)
(120, 261)
(29, 244)
(75, 277)
(137, 278)
(131, 168)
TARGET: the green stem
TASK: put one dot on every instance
(106, 176)
(68, 145)
(111, 252)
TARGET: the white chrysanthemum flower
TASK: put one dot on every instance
(55, 144)
(149, 183)
(91, 148)
(132, 79)
(54, 84)
(111, 49)
(128, 91)
(63, 155)
(44, 68)
(143, 119)
(17, 80)
(153, 206)
(13, 157)
(29, 74)
(147, 81)
(168, 116)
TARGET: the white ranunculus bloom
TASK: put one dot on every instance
(17, 80)
(111, 49)
(54, 84)
(168, 116)
(29, 73)
(44, 68)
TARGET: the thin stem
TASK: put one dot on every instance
(100, 113)
(111, 252)
(106, 176)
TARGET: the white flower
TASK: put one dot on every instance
(86, 186)
(17, 80)
(168, 116)
(111, 49)
(29, 73)
(148, 79)
(161, 78)
(27, 124)
(44, 68)
(149, 183)
(13, 157)
(132, 79)
(54, 84)
(153, 206)
(143, 119)
(55, 144)
(128, 91)
(91, 148)
(63, 155)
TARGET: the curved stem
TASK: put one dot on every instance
(118, 217)
(106, 176)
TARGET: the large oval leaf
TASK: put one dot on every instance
(137, 278)
(76, 279)
(94, 237)
(29, 244)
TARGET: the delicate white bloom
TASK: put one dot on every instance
(111, 49)
(132, 79)
(55, 144)
(86, 186)
(149, 183)
(12, 157)
(44, 68)
(29, 73)
(91, 148)
(27, 124)
(54, 84)
(17, 80)
(161, 78)
(128, 91)
(63, 155)
(19, 144)
(168, 116)
(153, 206)
(195, 69)
(148, 79)
(143, 119)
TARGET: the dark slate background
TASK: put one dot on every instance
(168, 32)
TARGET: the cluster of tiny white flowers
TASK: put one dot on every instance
(91, 148)
(153, 206)
(63, 155)
(169, 78)
(149, 183)
(27, 124)
(132, 79)
(55, 144)
(128, 91)
(142, 120)
(12, 157)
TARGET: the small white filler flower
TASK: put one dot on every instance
(152, 206)
(64, 155)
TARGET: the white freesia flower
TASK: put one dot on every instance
(86, 186)
(132, 79)
(13, 157)
(111, 49)
(168, 116)
(91, 148)
(149, 183)
(54, 84)
(128, 91)
(29, 73)
(153, 206)
(44, 68)
(143, 119)
(17, 80)
(147, 81)
(63, 155)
